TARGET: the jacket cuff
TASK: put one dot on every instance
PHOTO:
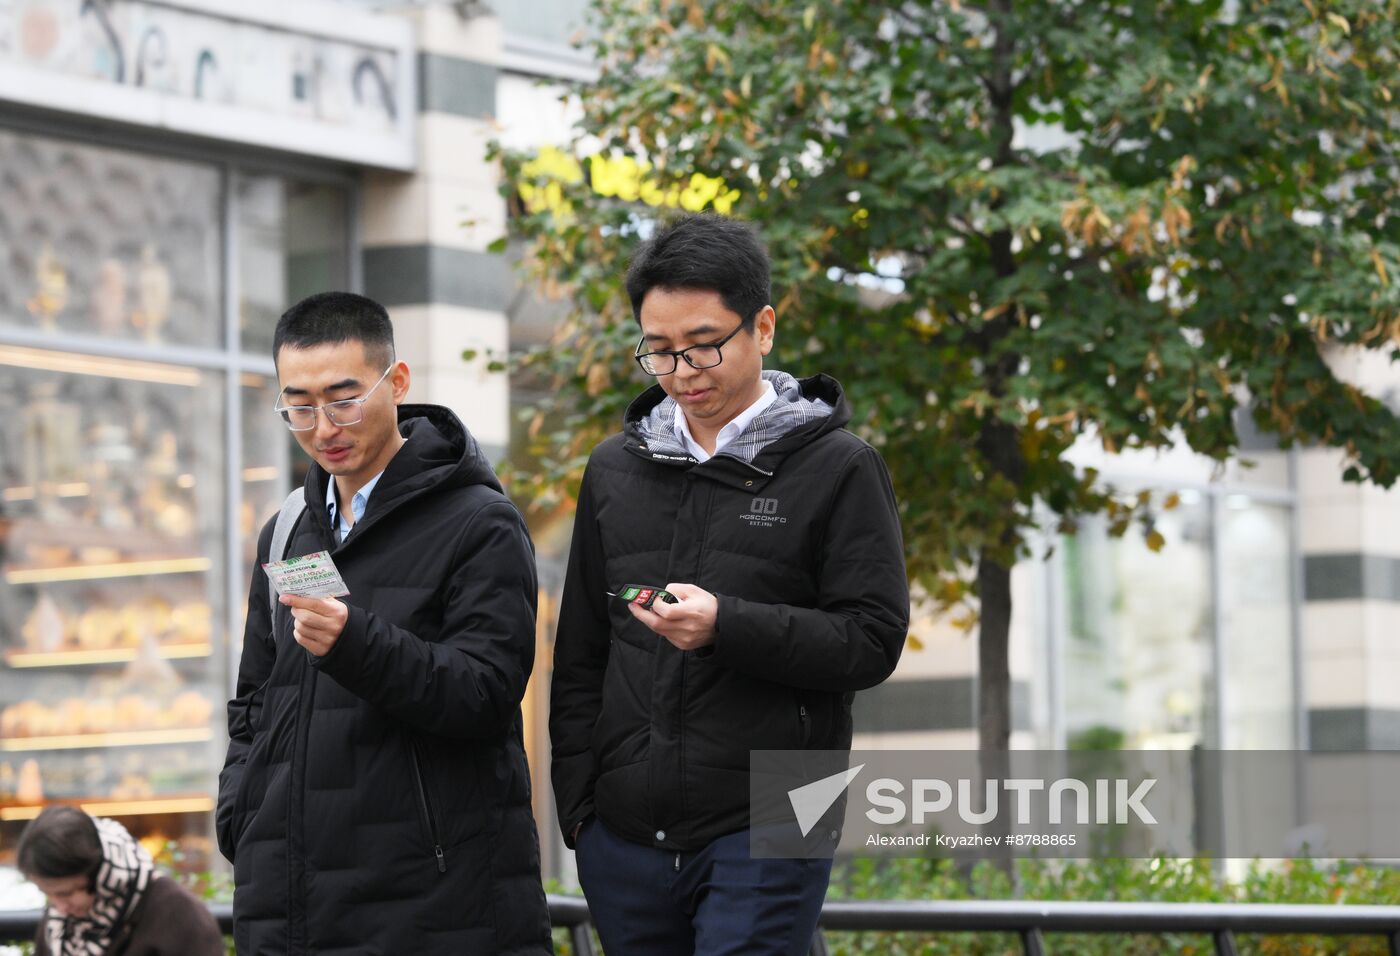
(723, 649)
(356, 627)
(571, 830)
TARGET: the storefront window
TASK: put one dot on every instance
(111, 550)
(108, 243)
(129, 506)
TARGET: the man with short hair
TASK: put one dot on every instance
(739, 492)
(376, 798)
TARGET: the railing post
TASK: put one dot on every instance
(581, 934)
(1394, 940)
(1225, 943)
(819, 947)
(1032, 943)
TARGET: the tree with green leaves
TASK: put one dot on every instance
(1005, 226)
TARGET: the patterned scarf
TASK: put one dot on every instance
(122, 878)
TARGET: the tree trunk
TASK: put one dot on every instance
(998, 442)
(993, 656)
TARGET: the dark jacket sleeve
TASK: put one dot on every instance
(467, 682)
(254, 668)
(853, 638)
(580, 659)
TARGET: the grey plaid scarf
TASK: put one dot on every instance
(788, 412)
(122, 878)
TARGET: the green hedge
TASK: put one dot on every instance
(1139, 881)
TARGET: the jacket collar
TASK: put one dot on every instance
(806, 409)
(438, 452)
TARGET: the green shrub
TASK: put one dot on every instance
(1159, 880)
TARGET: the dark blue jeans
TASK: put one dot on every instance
(713, 902)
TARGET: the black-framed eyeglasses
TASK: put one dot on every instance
(348, 411)
(663, 361)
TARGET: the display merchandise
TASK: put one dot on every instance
(111, 607)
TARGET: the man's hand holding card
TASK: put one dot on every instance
(309, 585)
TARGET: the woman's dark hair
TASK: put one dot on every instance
(335, 317)
(60, 842)
(703, 251)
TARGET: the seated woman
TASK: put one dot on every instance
(105, 896)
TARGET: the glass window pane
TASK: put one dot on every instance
(108, 243)
(549, 21)
(112, 601)
(293, 240)
(1138, 652)
(1257, 601)
(266, 475)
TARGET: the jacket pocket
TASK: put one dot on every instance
(425, 804)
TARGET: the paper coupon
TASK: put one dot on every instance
(311, 575)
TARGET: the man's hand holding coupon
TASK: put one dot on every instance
(309, 585)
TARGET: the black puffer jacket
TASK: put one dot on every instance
(377, 800)
(802, 546)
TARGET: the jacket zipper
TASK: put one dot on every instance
(427, 808)
(747, 464)
(680, 724)
(296, 809)
(804, 723)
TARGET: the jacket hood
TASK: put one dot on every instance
(438, 452)
(650, 420)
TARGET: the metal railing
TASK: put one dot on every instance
(1029, 920)
(1032, 920)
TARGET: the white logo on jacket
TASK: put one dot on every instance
(763, 513)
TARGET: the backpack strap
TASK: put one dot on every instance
(281, 536)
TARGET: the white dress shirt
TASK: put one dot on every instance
(730, 431)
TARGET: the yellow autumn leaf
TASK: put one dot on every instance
(597, 381)
(1341, 22)
(914, 643)
(1379, 263)
(1155, 541)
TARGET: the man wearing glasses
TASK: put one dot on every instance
(774, 529)
(375, 798)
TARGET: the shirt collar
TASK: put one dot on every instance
(359, 502)
(730, 431)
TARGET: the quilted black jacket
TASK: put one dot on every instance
(376, 801)
(801, 544)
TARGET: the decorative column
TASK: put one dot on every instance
(425, 235)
